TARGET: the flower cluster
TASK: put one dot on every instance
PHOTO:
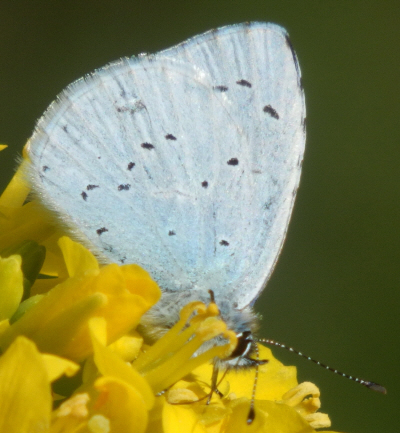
(73, 361)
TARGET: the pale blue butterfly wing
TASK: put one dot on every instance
(186, 162)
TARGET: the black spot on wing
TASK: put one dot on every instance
(221, 88)
(268, 204)
(204, 184)
(131, 109)
(244, 83)
(148, 146)
(171, 233)
(233, 161)
(224, 243)
(45, 168)
(84, 195)
(90, 187)
(271, 111)
(101, 231)
(124, 187)
(170, 137)
(131, 165)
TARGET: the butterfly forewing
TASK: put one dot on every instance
(186, 162)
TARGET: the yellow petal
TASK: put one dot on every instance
(274, 378)
(58, 322)
(182, 419)
(25, 394)
(17, 190)
(269, 417)
(77, 258)
(56, 367)
(30, 221)
(11, 285)
(4, 325)
(122, 405)
(110, 365)
(128, 346)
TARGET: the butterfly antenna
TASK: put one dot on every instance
(371, 385)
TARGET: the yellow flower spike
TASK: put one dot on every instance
(112, 300)
(110, 365)
(11, 285)
(25, 394)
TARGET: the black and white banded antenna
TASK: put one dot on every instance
(371, 385)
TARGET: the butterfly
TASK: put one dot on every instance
(186, 162)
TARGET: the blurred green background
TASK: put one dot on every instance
(335, 291)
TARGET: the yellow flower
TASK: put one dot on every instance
(57, 323)
(87, 313)
(25, 379)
